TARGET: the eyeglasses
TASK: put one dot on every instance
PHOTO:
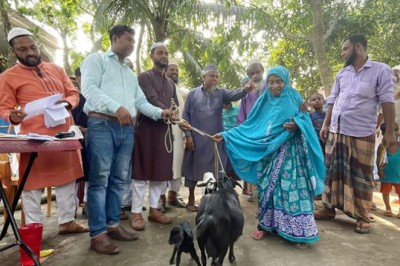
(39, 72)
(46, 81)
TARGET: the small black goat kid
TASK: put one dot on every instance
(181, 237)
(219, 222)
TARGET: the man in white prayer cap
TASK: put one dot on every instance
(29, 80)
(203, 110)
(152, 155)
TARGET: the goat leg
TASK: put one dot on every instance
(232, 258)
(178, 256)
(171, 260)
(202, 243)
(194, 255)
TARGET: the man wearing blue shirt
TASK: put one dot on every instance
(113, 97)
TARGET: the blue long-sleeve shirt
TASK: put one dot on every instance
(107, 85)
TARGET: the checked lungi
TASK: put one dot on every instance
(349, 180)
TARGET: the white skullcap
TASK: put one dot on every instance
(254, 61)
(157, 44)
(396, 67)
(209, 68)
(15, 32)
(173, 62)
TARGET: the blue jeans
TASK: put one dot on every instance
(109, 148)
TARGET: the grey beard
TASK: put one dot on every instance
(212, 89)
(258, 86)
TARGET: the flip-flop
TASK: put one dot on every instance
(258, 234)
(361, 228)
(371, 217)
(388, 213)
(191, 208)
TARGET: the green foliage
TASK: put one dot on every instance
(61, 15)
(76, 59)
(230, 32)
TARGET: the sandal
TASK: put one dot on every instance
(388, 213)
(371, 217)
(258, 234)
(191, 208)
(324, 214)
(363, 228)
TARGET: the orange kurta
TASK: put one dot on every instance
(20, 85)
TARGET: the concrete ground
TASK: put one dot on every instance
(339, 244)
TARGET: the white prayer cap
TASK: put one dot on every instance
(157, 44)
(16, 32)
(396, 67)
(173, 62)
(209, 68)
(253, 61)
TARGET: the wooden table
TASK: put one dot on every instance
(32, 147)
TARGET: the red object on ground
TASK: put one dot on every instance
(31, 234)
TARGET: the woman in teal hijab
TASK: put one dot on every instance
(277, 149)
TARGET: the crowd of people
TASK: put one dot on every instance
(135, 138)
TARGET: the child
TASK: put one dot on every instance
(389, 171)
(318, 116)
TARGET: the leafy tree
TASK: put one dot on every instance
(183, 23)
(59, 14)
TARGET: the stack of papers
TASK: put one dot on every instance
(32, 136)
(54, 114)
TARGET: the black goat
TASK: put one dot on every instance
(182, 238)
(219, 223)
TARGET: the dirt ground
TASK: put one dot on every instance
(339, 244)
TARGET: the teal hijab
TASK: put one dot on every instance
(263, 134)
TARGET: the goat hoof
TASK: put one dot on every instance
(232, 259)
(171, 262)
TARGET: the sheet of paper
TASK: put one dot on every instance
(37, 107)
(55, 115)
(78, 133)
(34, 136)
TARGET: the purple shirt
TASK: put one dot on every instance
(355, 98)
(246, 104)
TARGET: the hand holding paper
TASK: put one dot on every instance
(54, 114)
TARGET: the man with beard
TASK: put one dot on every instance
(29, 80)
(152, 155)
(173, 198)
(349, 132)
(203, 110)
(113, 99)
(255, 71)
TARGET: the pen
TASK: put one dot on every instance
(18, 109)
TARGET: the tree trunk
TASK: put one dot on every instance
(318, 44)
(139, 45)
(159, 29)
(4, 17)
(67, 67)
(4, 8)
